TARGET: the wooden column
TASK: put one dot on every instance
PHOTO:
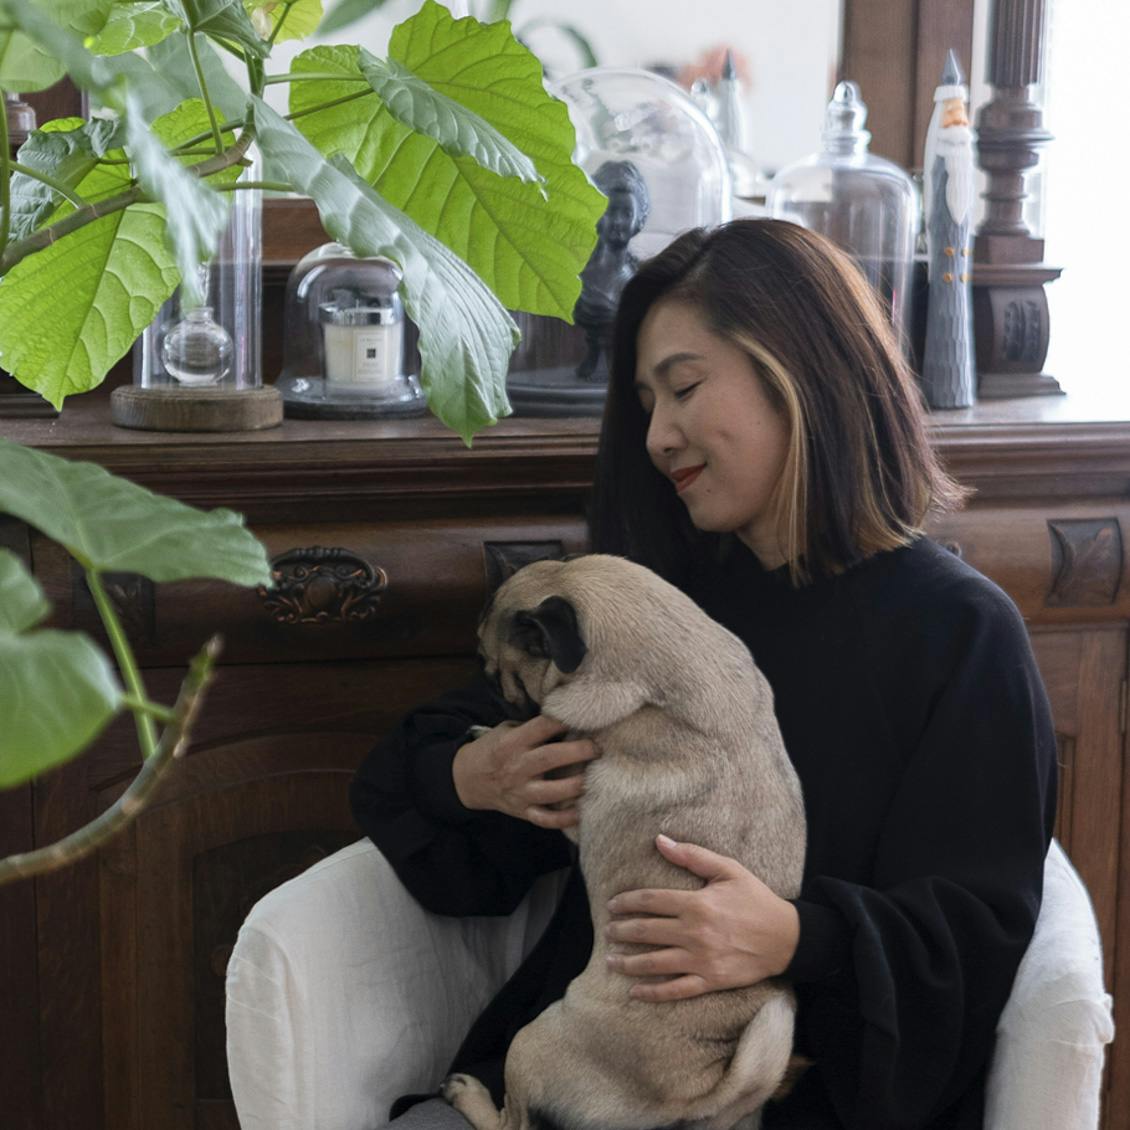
(1010, 306)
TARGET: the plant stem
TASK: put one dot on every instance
(282, 20)
(154, 709)
(44, 237)
(327, 105)
(173, 743)
(131, 675)
(51, 182)
(5, 184)
(305, 76)
(219, 141)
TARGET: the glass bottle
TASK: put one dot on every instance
(864, 203)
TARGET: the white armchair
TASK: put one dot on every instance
(342, 993)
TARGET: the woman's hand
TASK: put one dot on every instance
(505, 770)
(731, 933)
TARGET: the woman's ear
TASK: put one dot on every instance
(550, 631)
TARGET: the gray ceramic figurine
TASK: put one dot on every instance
(948, 375)
(611, 264)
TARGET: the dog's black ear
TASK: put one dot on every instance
(550, 632)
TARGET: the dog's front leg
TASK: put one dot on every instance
(593, 704)
(473, 1101)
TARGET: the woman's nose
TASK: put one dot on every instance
(663, 436)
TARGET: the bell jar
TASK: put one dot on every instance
(345, 345)
(867, 205)
(657, 157)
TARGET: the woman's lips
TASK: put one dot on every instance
(686, 476)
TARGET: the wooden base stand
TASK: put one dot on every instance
(198, 410)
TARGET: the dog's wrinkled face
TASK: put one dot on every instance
(529, 637)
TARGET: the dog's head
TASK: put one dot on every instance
(530, 637)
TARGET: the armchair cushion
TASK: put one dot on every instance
(343, 993)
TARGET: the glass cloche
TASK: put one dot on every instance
(867, 205)
(344, 350)
(656, 155)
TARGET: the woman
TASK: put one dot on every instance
(763, 448)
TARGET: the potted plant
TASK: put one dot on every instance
(447, 156)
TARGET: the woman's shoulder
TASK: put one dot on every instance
(930, 584)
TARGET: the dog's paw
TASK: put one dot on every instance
(455, 1087)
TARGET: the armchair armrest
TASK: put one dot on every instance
(1046, 1072)
(343, 993)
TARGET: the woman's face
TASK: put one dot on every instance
(713, 430)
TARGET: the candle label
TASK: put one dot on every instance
(371, 357)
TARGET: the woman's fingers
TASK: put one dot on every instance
(654, 963)
(648, 931)
(663, 901)
(552, 817)
(556, 790)
(546, 758)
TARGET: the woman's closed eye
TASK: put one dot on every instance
(685, 391)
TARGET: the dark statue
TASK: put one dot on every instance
(611, 264)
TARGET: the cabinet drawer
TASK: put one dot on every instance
(342, 590)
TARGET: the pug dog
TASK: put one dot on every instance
(690, 747)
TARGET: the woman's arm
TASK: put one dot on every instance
(455, 859)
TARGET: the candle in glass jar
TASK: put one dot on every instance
(364, 346)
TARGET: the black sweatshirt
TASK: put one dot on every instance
(911, 705)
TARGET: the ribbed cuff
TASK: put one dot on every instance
(433, 784)
(824, 946)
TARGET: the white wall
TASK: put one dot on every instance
(792, 49)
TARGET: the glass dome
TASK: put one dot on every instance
(641, 117)
(658, 158)
(867, 205)
(344, 347)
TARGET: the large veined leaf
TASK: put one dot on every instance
(133, 24)
(112, 525)
(57, 690)
(195, 215)
(299, 18)
(458, 131)
(27, 64)
(466, 336)
(66, 149)
(220, 19)
(114, 273)
(528, 250)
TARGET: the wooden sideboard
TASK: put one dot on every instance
(112, 971)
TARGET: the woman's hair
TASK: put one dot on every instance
(860, 474)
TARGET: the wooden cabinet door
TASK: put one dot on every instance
(1085, 675)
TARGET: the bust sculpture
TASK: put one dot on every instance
(611, 264)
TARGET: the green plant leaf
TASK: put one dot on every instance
(57, 690)
(115, 272)
(66, 149)
(133, 24)
(458, 131)
(22, 601)
(530, 251)
(346, 12)
(466, 336)
(112, 525)
(301, 16)
(195, 216)
(87, 17)
(220, 19)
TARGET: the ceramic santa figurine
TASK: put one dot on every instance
(948, 375)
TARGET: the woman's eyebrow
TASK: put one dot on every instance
(663, 368)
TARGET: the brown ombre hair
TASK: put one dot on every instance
(860, 475)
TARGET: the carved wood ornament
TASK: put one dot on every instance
(320, 585)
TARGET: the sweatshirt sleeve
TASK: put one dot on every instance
(453, 860)
(902, 981)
